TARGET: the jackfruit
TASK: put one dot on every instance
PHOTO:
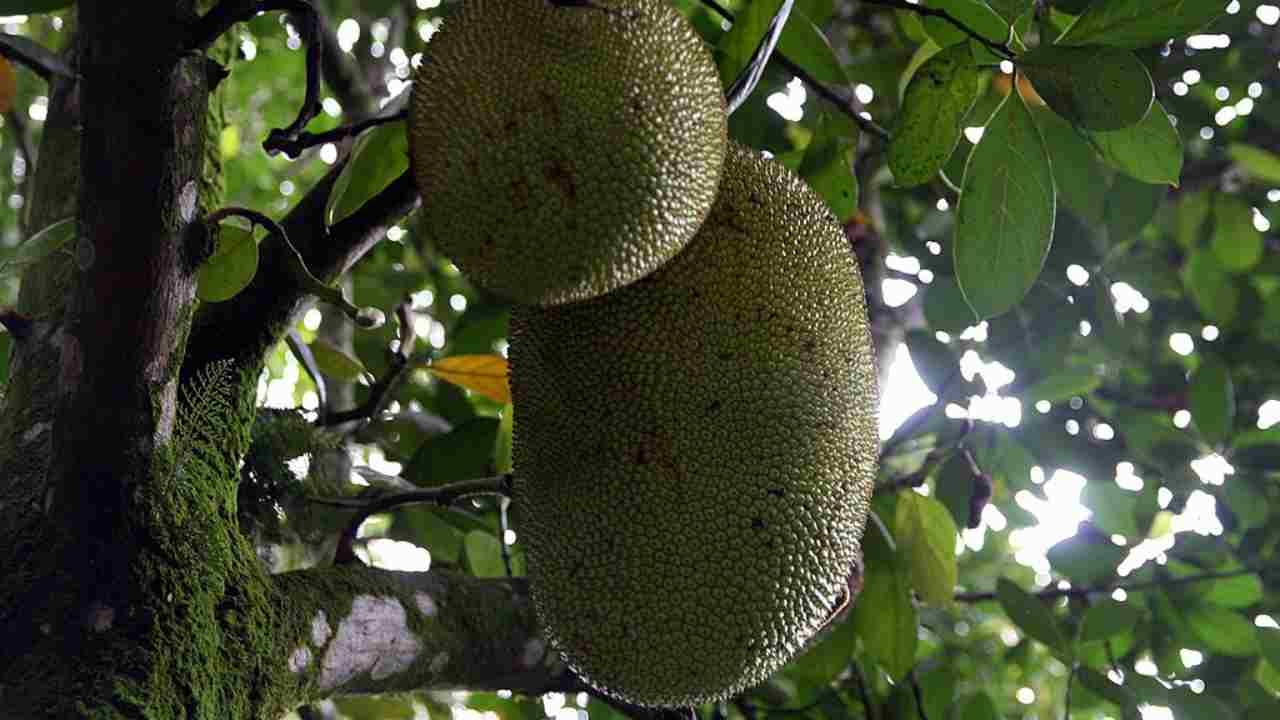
(694, 453)
(564, 151)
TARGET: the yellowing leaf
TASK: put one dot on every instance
(484, 374)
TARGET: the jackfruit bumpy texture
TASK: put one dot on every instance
(695, 453)
(563, 152)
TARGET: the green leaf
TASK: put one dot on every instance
(1137, 24)
(335, 362)
(1150, 151)
(1080, 179)
(884, 616)
(1064, 385)
(980, 706)
(1238, 592)
(1004, 224)
(1112, 506)
(1031, 615)
(1108, 618)
(930, 123)
(1211, 400)
(1223, 631)
(484, 554)
(465, 453)
(1130, 205)
(1214, 291)
(953, 486)
(30, 7)
(945, 307)
(1095, 87)
(1101, 685)
(828, 165)
(1261, 164)
(1189, 218)
(927, 535)
(1085, 561)
(1269, 643)
(380, 156)
(1193, 706)
(830, 657)
(736, 47)
(232, 266)
(973, 14)
(1235, 242)
(804, 44)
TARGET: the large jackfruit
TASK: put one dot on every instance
(694, 453)
(564, 151)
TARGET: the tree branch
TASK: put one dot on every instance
(444, 496)
(34, 57)
(293, 146)
(355, 630)
(252, 322)
(844, 105)
(218, 21)
(380, 393)
(1001, 49)
(1055, 593)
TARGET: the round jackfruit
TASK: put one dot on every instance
(563, 152)
(694, 453)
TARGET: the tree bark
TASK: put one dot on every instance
(129, 591)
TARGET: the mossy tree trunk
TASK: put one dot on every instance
(128, 589)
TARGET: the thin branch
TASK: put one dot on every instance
(1066, 705)
(860, 681)
(843, 104)
(34, 57)
(14, 119)
(308, 361)
(368, 318)
(1001, 49)
(444, 496)
(293, 146)
(1054, 593)
(218, 21)
(918, 695)
(382, 390)
(846, 106)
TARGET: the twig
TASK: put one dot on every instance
(368, 318)
(980, 495)
(14, 119)
(1001, 49)
(212, 25)
(293, 146)
(35, 57)
(918, 695)
(380, 393)
(444, 496)
(821, 89)
(1066, 705)
(860, 681)
(1054, 593)
(503, 526)
(845, 105)
(308, 362)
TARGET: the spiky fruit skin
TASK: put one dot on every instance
(563, 152)
(695, 453)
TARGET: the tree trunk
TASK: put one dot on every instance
(129, 591)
